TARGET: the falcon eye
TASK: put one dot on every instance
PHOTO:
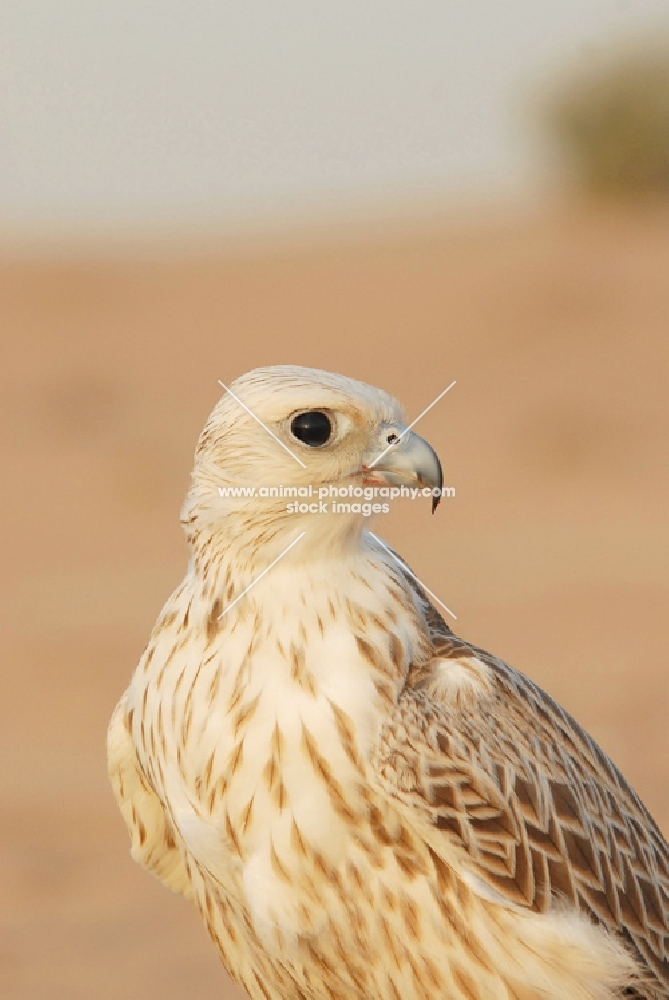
(312, 428)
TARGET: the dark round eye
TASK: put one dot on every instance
(312, 428)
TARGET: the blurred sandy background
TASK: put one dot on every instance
(551, 316)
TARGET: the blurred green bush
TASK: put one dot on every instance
(612, 122)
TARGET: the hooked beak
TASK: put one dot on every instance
(409, 460)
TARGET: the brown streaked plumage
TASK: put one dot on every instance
(362, 805)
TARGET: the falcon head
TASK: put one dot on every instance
(283, 429)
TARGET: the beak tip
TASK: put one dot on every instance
(436, 499)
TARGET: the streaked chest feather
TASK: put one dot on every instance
(258, 733)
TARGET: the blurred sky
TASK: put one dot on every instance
(144, 112)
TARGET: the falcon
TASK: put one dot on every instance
(361, 805)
